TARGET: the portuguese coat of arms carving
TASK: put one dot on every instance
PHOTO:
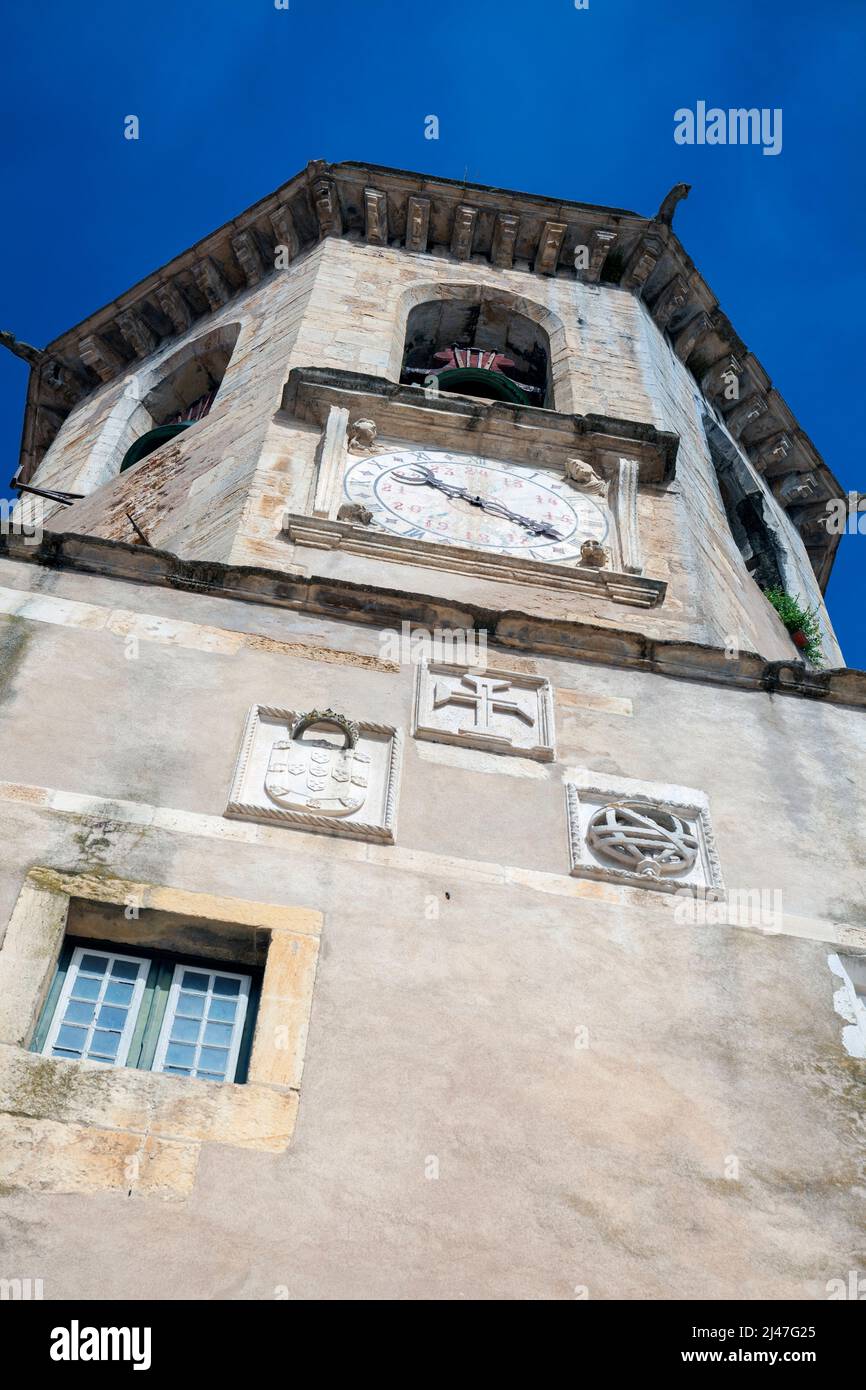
(311, 774)
(320, 771)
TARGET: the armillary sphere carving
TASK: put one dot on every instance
(649, 840)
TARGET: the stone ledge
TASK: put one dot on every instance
(318, 533)
(514, 631)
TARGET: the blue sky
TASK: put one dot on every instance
(234, 96)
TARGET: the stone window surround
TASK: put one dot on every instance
(157, 1120)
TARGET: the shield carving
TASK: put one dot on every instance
(310, 774)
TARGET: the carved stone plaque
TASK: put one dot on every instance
(318, 771)
(648, 834)
(499, 711)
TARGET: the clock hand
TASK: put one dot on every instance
(426, 477)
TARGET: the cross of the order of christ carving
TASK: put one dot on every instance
(485, 696)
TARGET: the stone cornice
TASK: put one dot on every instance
(343, 600)
(472, 223)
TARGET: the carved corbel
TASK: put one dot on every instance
(248, 255)
(376, 215)
(174, 306)
(549, 247)
(286, 233)
(97, 354)
(504, 240)
(721, 377)
(417, 224)
(814, 523)
(362, 436)
(59, 378)
(212, 283)
(796, 489)
(642, 263)
(581, 473)
(463, 232)
(593, 554)
(771, 454)
(137, 333)
(687, 339)
(601, 243)
(329, 214)
(670, 301)
(354, 512)
(745, 413)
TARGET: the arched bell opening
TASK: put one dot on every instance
(478, 347)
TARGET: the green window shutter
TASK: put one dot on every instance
(151, 1016)
(52, 997)
(246, 1046)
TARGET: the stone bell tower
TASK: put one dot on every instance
(418, 816)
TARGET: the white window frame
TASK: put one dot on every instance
(131, 1014)
(242, 996)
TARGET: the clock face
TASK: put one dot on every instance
(423, 494)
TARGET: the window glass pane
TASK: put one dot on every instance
(72, 1038)
(86, 988)
(125, 970)
(111, 1018)
(118, 993)
(79, 1012)
(180, 1055)
(222, 1010)
(191, 1005)
(104, 1044)
(193, 980)
(218, 1033)
(93, 965)
(213, 1058)
(185, 1030)
(223, 986)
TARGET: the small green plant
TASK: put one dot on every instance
(802, 623)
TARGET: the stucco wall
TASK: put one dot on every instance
(458, 969)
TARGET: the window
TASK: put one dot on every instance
(98, 1006)
(203, 1023)
(149, 1010)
